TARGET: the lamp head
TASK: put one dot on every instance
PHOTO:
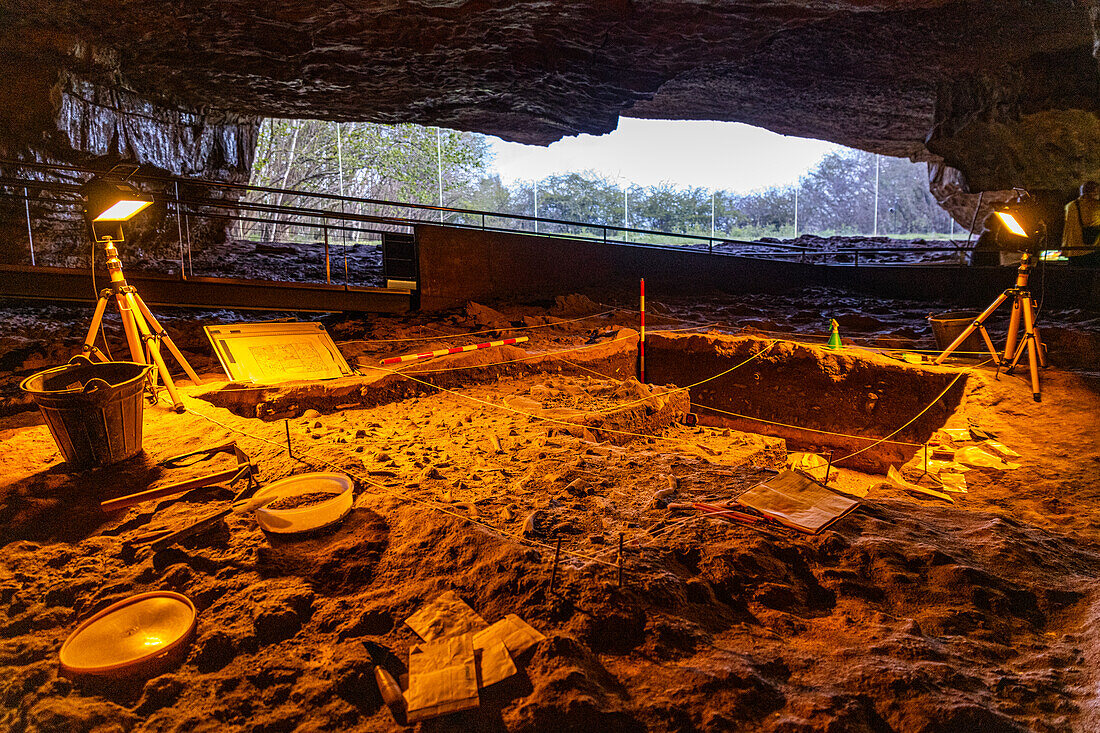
(109, 202)
(1022, 221)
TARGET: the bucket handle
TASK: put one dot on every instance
(94, 384)
(81, 359)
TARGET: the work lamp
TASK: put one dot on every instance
(1024, 221)
(108, 203)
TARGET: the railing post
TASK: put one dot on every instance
(30, 233)
(483, 221)
(179, 226)
(328, 267)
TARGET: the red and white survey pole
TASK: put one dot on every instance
(641, 338)
(455, 350)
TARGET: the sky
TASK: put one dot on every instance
(727, 156)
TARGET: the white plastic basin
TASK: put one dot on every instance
(306, 518)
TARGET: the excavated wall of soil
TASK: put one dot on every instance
(817, 389)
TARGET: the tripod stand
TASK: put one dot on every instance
(141, 328)
(1022, 305)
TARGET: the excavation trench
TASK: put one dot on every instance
(817, 399)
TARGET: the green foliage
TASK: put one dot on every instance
(401, 162)
(836, 197)
(387, 162)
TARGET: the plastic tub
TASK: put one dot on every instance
(313, 516)
(94, 410)
(947, 327)
(140, 636)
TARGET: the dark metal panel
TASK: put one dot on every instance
(55, 283)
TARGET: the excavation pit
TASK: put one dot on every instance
(867, 409)
(818, 399)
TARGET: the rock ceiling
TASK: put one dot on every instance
(1005, 91)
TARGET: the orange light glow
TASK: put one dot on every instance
(1010, 222)
(122, 211)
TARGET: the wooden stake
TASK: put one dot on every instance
(554, 572)
(289, 450)
(829, 468)
(641, 338)
(620, 559)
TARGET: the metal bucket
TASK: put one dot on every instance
(93, 410)
(947, 327)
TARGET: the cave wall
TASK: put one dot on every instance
(54, 115)
(996, 93)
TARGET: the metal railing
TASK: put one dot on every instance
(240, 208)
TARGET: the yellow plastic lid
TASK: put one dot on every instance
(138, 635)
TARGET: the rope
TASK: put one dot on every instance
(403, 495)
(811, 430)
(946, 389)
(794, 335)
(703, 381)
(536, 418)
(519, 538)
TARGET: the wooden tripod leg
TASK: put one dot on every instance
(133, 338)
(1032, 347)
(89, 347)
(979, 321)
(154, 350)
(989, 345)
(1029, 312)
(160, 332)
(1013, 328)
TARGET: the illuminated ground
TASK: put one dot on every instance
(910, 614)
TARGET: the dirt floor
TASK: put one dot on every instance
(912, 613)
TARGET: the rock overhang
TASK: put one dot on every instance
(1005, 90)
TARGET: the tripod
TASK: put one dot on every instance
(140, 326)
(1022, 305)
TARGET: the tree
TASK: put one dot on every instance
(386, 162)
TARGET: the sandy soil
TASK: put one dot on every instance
(908, 614)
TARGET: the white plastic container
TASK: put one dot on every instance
(306, 518)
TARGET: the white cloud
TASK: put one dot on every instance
(715, 155)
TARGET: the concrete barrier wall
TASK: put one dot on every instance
(457, 265)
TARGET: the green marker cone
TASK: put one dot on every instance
(834, 337)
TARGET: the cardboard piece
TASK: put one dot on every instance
(797, 502)
(895, 478)
(809, 463)
(936, 467)
(494, 663)
(516, 634)
(978, 457)
(954, 483)
(447, 615)
(1000, 449)
(442, 678)
(456, 637)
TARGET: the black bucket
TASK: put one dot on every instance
(93, 410)
(947, 327)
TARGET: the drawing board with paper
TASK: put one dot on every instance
(277, 352)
